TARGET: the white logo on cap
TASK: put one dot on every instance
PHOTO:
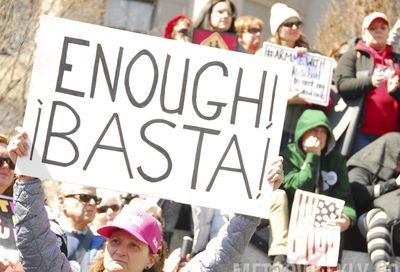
(136, 220)
(155, 241)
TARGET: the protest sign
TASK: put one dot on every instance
(224, 40)
(8, 248)
(311, 74)
(313, 238)
(147, 115)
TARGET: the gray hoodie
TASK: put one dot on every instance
(40, 253)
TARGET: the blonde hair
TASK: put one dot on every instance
(243, 23)
(4, 139)
(301, 42)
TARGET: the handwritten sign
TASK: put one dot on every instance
(8, 236)
(147, 115)
(312, 239)
(311, 74)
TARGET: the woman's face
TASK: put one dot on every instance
(290, 30)
(126, 254)
(182, 30)
(6, 173)
(108, 209)
(221, 16)
(251, 38)
(377, 34)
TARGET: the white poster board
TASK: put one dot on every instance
(311, 73)
(312, 239)
(147, 115)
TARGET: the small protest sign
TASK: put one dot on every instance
(147, 115)
(313, 239)
(311, 74)
(8, 236)
(223, 40)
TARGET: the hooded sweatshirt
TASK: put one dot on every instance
(373, 170)
(307, 171)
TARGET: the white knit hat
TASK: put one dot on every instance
(280, 13)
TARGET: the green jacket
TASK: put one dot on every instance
(302, 171)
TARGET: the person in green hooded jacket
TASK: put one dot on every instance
(311, 164)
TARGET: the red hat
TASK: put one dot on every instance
(170, 26)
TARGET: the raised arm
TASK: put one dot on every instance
(37, 244)
(227, 248)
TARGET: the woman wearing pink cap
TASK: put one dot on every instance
(367, 77)
(133, 239)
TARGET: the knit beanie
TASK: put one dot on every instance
(279, 14)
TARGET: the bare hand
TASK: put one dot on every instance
(392, 84)
(275, 173)
(343, 222)
(398, 181)
(378, 77)
(300, 51)
(174, 263)
(311, 144)
(294, 98)
(18, 146)
(8, 266)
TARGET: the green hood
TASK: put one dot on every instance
(311, 119)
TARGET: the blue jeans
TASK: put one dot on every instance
(361, 140)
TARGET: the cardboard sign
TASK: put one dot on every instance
(8, 236)
(312, 239)
(311, 74)
(221, 40)
(147, 115)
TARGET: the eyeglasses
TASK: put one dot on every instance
(85, 198)
(254, 30)
(103, 209)
(183, 31)
(291, 24)
(10, 163)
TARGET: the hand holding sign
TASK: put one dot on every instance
(311, 73)
(343, 222)
(18, 147)
(275, 173)
(295, 98)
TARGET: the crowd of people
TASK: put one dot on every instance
(97, 231)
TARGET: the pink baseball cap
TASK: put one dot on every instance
(373, 16)
(139, 224)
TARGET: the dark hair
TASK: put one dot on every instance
(203, 20)
(9, 191)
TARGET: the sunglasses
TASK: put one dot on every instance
(103, 209)
(291, 24)
(254, 30)
(183, 31)
(9, 162)
(85, 198)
